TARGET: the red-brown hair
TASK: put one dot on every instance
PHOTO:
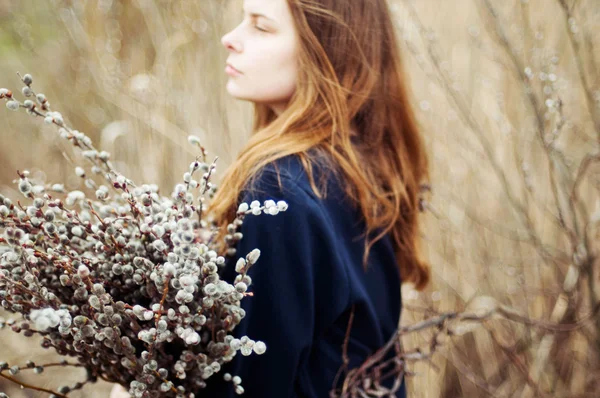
(351, 79)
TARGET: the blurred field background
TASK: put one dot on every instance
(508, 95)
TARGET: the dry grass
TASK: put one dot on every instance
(139, 76)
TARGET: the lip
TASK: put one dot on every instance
(230, 70)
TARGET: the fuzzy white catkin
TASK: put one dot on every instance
(13, 105)
(83, 271)
(246, 351)
(194, 166)
(235, 344)
(45, 318)
(10, 257)
(282, 205)
(159, 245)
(272, 210)
(253, 256)
(239, 266)
(74, 196)
(193, 338)
(101, 194)
(169, 269)
(193, 140)
(210, 289)
(241, 287)
(58, 119)
(24, 186)
(104, 156)
(186, 280)
(260, 347)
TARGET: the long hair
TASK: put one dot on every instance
(351, 80)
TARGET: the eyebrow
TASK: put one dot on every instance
(256, 15)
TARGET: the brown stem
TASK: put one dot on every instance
(31, 387)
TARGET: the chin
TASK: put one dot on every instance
(233, 90)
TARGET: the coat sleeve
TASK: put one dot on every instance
(299, 286)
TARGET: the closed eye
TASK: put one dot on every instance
(262, 30)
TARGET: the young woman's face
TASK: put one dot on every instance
(264, 50)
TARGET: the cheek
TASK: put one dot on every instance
(277, 62)
(272, 75)
(278, 72)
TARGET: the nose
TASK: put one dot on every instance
(229, 43)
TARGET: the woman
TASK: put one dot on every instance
(335, 137)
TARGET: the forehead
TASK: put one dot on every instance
(271, 8)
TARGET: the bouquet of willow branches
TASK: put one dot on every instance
(127, 283)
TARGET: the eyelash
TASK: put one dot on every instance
(259, 29)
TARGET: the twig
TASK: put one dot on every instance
(31, 387)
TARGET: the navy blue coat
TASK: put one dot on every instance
(305, 282)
